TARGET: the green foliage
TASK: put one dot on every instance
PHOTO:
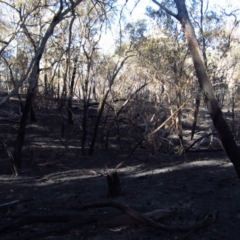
(136, 30)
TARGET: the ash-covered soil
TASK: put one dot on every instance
(55, 181)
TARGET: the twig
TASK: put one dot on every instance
(15, 202)
(199, 139)
(9, 204)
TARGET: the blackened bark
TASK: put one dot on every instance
(45, 83)
(58, 91)
(70, 116)
(114, 184)
(95, 132)
(179, 103)
(233, 115)
(33, 118)
(84, 126)
(64, 89)
(179, 120)
(28, 104)
(195, 116)
(62, 128)
(21, 131)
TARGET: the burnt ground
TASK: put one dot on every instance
(56, 181)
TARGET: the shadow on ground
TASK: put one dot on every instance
(193, 185)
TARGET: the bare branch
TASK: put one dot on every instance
(166, 9)
(33, 67)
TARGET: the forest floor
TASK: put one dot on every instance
(45, 200)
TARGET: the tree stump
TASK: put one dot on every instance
(114, 185)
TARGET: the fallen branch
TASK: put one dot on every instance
(8, 204)
(208, 220)
(133, 217)
(126, 220)
(199, 139)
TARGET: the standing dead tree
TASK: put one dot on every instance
(111, 78)
(210, 100)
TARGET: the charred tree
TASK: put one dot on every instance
(86, 89)
(64, 89)
(195, 115)
(21, 131)
(96, 127)
(114, 185)
(84, 125)
(177, 76)
(33, 118)
(70, 115)
(111, 79)
(209, 98)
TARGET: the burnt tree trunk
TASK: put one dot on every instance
(114, 184)
(209, 98)
(33, 118)
(179, 120)
(177, 77)
(64, 91)
(70, 115)
(46, 89)
(96, 127)
(23, 122)
(195, 115)
(84, 126)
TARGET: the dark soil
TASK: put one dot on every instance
(55, 181)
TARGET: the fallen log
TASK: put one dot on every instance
(126, 220)
(207, 221)
(131, 217)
